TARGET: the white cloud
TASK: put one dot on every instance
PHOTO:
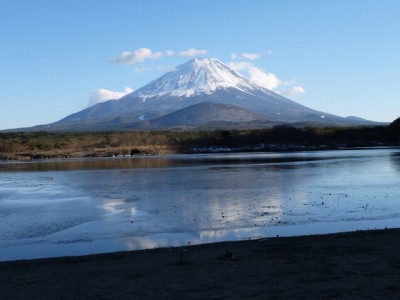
(257, 75)
(268, 52)
(102, 95)
(192, 52)
(296, 90)
(265, 79)
(136, 56)
(143, 54)
(260, 77)
(239, 65)
(248, 56)
(170, 53)
(251, 56)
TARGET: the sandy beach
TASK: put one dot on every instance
(363, 265)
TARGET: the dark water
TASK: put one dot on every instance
(71, 207)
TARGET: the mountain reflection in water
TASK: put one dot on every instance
(68, 207)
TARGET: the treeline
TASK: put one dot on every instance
(28, 145)
(46, 144)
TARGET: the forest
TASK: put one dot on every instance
(38, 145)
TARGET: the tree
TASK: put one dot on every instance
(394, 129)
(395, 125)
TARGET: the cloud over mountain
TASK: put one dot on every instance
(256, 74)
(242, 62)
(293, 91)
(143, 54)
(260, 77)
(101, 95)
(251, 56)
(136, 56)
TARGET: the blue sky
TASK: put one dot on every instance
(338, 56)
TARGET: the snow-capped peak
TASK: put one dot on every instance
(197, 76)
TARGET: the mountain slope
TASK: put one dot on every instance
(197, 81)
(197, 76)
(206, 113)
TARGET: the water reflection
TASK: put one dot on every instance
(395, 160)
(167, 201)
(89, 164)
(177, 160)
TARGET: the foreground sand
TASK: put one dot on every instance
(357, 265)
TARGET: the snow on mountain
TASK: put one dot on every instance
(195, 77)
(197, 81)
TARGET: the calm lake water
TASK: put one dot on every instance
(71, 207)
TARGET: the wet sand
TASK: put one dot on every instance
(356, 265)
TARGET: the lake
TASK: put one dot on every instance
(81, 206)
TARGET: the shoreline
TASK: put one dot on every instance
(37, 157)
(158, 241)
(40, 145)
(359, 264)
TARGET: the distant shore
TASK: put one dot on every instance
(42, 145)
(355, 265)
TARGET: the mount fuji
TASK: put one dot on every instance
(202, 92)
